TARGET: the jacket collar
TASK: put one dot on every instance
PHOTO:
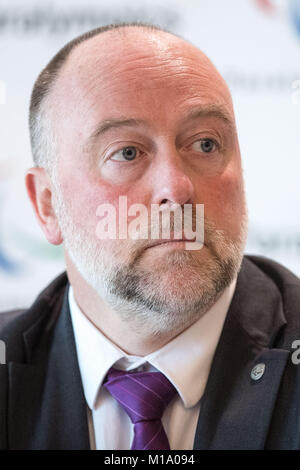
(47, 409)
(235, 409)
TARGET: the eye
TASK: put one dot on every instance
(126, 153)
(205, 145)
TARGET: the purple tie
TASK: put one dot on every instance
(144, 396)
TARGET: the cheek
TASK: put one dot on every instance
(84, 194)
(224, 201)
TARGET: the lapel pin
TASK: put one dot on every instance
(258, 371)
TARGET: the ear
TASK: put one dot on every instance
(39, 189)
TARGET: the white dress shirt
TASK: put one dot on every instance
(185, 360)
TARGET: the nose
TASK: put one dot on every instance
(171, 181)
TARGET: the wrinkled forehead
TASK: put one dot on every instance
(104, 68)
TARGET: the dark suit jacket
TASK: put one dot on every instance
(42, 405)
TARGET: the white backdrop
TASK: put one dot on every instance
(256, 46)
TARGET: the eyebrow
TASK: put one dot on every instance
(112, 123)
(199, 112)
(210, 111)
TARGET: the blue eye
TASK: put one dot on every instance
(206, 145)
(126, 153)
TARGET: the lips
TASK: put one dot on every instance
(168, 241)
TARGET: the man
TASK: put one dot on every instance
(144, 343)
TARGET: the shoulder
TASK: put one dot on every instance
(6, 317)
(275, 288)
(16, 324)
(274, 270)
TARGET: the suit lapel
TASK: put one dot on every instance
(236, 410)
(46, 405)
(47, 408)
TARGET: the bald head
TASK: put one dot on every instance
(100, 59)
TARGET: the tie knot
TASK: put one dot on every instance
(143, 395)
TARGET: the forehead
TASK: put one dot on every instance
(138, 72)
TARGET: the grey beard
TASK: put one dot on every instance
(144, 299)
(140, 297)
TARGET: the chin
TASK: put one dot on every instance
(169, 258)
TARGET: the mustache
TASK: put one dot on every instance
(214, 239)
(212, 235)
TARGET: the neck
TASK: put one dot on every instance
(133, 340)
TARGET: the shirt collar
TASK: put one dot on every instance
(185, 360)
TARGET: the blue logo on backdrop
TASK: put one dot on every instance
(271, 7)
(294, 13)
